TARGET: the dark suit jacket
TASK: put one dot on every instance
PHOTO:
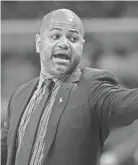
(92, 103)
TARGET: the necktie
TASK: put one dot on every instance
(31, 129)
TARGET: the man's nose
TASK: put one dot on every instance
(64, 43)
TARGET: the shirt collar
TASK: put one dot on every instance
(72, 77)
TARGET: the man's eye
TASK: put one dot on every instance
(73, 39)
(55, 36)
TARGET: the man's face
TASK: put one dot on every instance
(60, 46)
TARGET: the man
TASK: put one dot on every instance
(63, 117)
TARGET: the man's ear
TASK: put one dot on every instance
(37, 42)
(83, 42)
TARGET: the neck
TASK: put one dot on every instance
(46, 75)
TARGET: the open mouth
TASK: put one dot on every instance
(61, 56)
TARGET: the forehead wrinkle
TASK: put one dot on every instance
(61, 29)
(70, 27)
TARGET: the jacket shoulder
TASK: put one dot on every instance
(24, 87)
(99, 74)
(28, 84)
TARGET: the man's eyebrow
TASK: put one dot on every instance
(60, 29)
(74, 31)
(55, 28)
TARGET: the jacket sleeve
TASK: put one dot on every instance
(4, 134)
(115, 106)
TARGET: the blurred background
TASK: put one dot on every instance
(111, 33)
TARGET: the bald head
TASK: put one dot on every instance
(62, 16)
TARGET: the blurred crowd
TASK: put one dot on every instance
(116, 51)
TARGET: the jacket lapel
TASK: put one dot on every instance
(58, 108)
(18, 108)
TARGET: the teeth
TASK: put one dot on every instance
(59, 60)
(61, 56)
